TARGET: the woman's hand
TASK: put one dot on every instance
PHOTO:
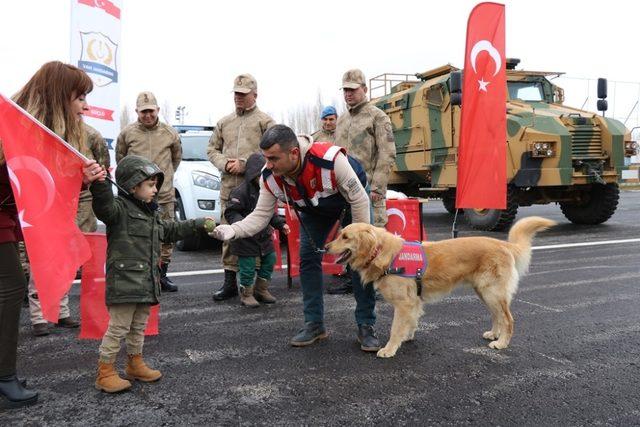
(92, 171)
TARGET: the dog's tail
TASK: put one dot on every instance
(521, 235)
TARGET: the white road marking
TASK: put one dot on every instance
(535, 248)
(540, 306)
(577, 245)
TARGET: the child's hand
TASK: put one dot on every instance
(209, 225)
(286, 230)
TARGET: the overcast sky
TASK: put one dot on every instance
(188, 51)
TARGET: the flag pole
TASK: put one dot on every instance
(56, 136)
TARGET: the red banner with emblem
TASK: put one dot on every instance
(94, 315)
(482, 168)
(105, 5)
(46, 177)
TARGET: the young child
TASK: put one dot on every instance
(134, 235)
(242, 201)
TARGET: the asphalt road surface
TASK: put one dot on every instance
(574, 358)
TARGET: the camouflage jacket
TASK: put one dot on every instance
(134, 233)
(236, 136)
(97, 150)
(160, 144)
(323, 135)
(365, 131)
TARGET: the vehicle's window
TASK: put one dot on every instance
(526, 91)
(194, 147)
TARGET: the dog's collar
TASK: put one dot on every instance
(373, 256)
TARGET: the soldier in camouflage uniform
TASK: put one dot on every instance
(365, 131)
(234, 139)
(96, 148)
(328, 118)
(135, 231)
(160, 143)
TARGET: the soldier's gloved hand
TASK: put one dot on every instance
(223, 232)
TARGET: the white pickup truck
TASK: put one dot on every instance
(197, 182)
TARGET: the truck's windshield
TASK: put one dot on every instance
(525, 91)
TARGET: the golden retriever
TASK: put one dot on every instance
(491, 267)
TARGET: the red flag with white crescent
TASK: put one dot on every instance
(482, 165)
(329, 265)
(46, 177)
(404, 219)
(93, 310)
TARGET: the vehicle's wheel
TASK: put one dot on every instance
(449, 201)
(596, 207)
(494, 219)
(190, 243)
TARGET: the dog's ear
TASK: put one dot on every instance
(366, 245)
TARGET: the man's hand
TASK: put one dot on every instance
(223, 232)
(286, 229)
(234, 166)
(375, 196)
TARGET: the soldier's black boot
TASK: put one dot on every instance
(13, 393)
(165, 283)
(229, 288)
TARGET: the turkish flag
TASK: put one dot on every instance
(94, 315)
(329, 265)
(46, 177)
(482, 165)
(404, 219)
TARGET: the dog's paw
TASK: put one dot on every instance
(489, 335)
(386, 352)
(498, 345)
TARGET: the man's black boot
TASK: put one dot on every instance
(367, 338)
(311, 332)
(165, 283)
(13, 393)
(229, 288)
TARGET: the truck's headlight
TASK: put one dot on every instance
(542, 149)
(630, 148)
(202, 179)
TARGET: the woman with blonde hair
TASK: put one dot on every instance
(55, 96)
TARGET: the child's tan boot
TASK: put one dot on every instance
(138, 370)
(262, 293)
(246, 297)
(108, 379)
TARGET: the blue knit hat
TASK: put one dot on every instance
(328, 111)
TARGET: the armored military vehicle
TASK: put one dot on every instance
(555, 153)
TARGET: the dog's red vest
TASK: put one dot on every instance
(411, 261)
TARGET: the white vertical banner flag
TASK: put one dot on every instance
(95, 48)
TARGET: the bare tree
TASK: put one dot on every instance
(124, 117)
(166, 111)
(305, 118)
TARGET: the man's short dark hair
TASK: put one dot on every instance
(281, 135)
